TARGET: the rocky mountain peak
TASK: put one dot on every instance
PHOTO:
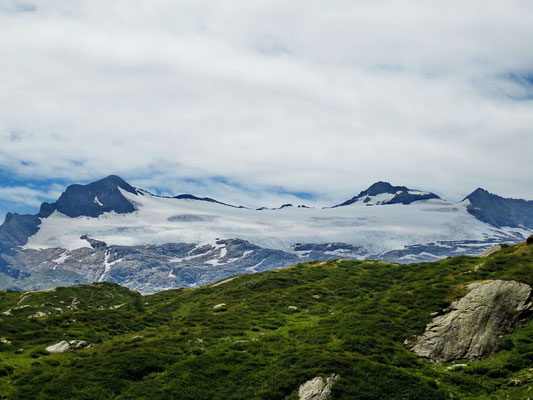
(499, 211)
(92, 200)
(377, 193)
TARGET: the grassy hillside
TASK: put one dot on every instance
(274, 331)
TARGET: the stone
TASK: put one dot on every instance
(38, 314)
(78, 345)
(60, 347)
(473, 326)
(317, 388)
(292, 308)
(64, 346)
(490, 251)
(219, 306)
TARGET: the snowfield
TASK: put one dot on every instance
(376, 228)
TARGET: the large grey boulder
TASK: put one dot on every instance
(473, 326)
(317, 388)
(64, 346)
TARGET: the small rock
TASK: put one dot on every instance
(292, 308)
(316, 296)
(456, 366)
(490, 250)
(78, 344)
(219, 306)
(60, 347)
(38, 314)
(5, 341)
(317, 388)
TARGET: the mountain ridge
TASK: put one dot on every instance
(109, 230)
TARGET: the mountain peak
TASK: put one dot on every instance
(381, 193)
(499, 211)
(93, 199)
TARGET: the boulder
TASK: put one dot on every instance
(38, 314)
(64, 346)
(60, 347)
(317, 388)
(473, 326)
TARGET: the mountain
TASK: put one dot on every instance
(499, 211)
(459, 328)
(381, 193)
(111, 231)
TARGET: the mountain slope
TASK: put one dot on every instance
(261, 336)
(499, 211)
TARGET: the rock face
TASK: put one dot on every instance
(317, 388)
(472, 327)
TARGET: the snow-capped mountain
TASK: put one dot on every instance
(109, 230)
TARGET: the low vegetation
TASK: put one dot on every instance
(274, 331)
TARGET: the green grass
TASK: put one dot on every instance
(352, 318)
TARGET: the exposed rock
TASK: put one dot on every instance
(473, 326)
(317, 388)
(5, 341)
(292, 308)
(219, 306)
(60, 347)
(79, 344)
(64, 346)
(490, 250)
(95, 244)
(38, 314)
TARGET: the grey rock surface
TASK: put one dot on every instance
(473, 326)
(317, 388)
(64, 346)
(490, 251)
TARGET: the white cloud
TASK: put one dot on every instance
(326, 97)
(26, 196)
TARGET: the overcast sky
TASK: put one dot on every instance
(265, 102)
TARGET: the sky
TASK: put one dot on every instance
(261, 102)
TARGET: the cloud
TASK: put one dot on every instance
(27, 196)
(274, 97)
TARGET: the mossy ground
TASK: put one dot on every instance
(351, 318)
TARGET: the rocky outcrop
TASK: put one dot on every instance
(64, 346)
(473, 326)
(317, 388)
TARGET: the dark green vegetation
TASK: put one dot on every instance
(351, 318)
